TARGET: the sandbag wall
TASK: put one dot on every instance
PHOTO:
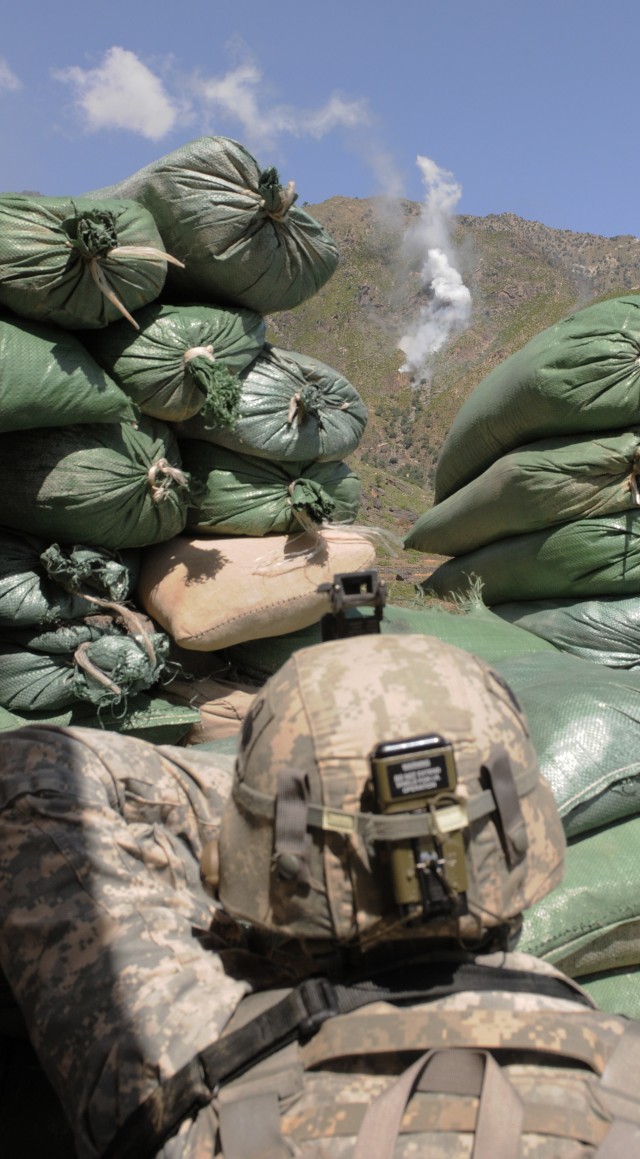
(536, 487)
(136, 409)
(77, 463)
(537, 504)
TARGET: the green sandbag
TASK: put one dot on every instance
(591, 922)
(605, 631)
(292, 408)
(59, 639)
(244, 495)
(540, 485)
(102, 667)
(109, 486)
(8, 720)
(184, 360)
(150, 717)
(615, 991)
(591, 557)
(43, 584)
(584, 721)
(76, 262)
(473, 628)
(235, 227)
(49, 379)
(580, 375)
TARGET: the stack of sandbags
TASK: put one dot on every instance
(78, 465)
(537, 502)
(71, 646)
(584, 720)
(186, 420)
(536, 491)
(262, 433)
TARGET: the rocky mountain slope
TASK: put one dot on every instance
(523, 276)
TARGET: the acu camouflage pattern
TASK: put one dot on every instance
(553, 1052)
(107, 940)
(103, 916)
(564, 1113)
(323, 713)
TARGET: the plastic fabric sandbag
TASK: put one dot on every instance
(104, 669)
(616, 991)
(292, 408)
(49, 379)
(43, 583)
(234, 225)
(605, 631)
(545, 483)
(580, 375)
(474, 628)
(109, 486)
(584, 721)
(150, 717)
(184, 360)
(244, 495)
(590, 923)
(76, 262)
(589, 558)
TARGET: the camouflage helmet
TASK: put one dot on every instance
(311, 848)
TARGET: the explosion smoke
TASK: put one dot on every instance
(448, 309)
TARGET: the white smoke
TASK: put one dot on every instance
(448, 309)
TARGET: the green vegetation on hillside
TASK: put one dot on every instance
(523, 277)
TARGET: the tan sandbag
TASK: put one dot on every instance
(214, 592)
(222, 705)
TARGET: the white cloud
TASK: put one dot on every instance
(241, 95)
(8, 78)
(122, 93)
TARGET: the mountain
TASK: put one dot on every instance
(523, 277)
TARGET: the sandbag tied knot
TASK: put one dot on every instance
(79, 567)
(162, 476)
(276, 198)
(132, 621)
(220, 387)
(206, 352)
(310, 503)
(92, 233)
(104, 285)
(111, 668)
(82, 660)
(94, 236)
(305, 402)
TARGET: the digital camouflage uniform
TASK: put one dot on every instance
(124, 968)
(101, 905)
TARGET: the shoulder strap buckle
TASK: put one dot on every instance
(319, 1002)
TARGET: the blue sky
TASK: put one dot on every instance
(531, 106)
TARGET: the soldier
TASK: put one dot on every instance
(330, 970)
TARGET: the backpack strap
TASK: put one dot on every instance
(500, 1117)
(300, 1013)
(299, 1016)
(619, 1092)
(498, 1127)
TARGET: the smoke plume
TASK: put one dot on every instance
(447, 310)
